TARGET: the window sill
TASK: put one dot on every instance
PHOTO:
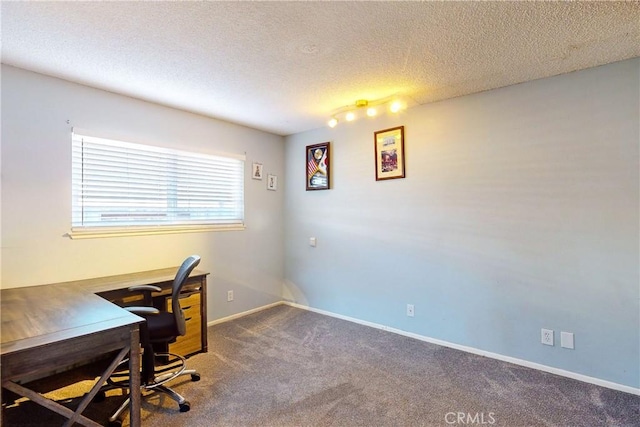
(103, 232)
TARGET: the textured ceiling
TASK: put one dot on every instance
(284, 67)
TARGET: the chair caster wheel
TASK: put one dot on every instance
(195, 377)
(184, 407)
(100, 396)
(116, 423)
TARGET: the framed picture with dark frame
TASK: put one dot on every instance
(389, 153)
(318, 167)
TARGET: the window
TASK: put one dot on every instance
(120, 188)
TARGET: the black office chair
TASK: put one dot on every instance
(160, 329)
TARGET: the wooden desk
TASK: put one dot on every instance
(193, 300)
(46, 328)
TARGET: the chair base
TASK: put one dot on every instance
(158, 385)
(183, 404)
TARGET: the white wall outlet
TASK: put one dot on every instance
(546, 336)
(566, 340)
(410, 311)
(312, 241)
(229, 296)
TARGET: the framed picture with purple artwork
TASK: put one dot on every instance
(389, 152)
(317, 164)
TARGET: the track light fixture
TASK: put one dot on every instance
(364, 107)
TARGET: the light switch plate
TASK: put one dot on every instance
(312, 241)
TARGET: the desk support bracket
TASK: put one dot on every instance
(77, 417)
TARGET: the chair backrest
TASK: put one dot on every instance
(181, 278)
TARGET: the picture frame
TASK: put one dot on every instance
(389, 153)
(256, 171)
(318, 167)
(272, 182)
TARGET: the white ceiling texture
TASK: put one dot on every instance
(284, 67)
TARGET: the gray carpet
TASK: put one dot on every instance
(289, 367)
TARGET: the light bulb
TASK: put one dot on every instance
(333, 122)
(350, 116)
(371, 112)
(395, 107)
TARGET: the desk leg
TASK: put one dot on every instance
(77, 417)
(134, 380)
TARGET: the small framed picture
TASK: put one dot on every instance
(272, 182)
(256, 171)
(317, 166)
(389, 152)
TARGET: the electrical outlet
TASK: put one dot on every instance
(410, 310)
(547, 337)
(229, 296)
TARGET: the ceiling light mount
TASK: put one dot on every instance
(351, 112)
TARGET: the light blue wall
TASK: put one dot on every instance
(519, 212)
(36, 193)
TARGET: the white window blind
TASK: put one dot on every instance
(123, 186)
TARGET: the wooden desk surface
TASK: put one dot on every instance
(39, 315)
(123, 281)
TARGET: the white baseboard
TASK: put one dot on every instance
(244, 313)
(515, 361)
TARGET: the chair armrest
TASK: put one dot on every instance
(142, 310)
(143, 288)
